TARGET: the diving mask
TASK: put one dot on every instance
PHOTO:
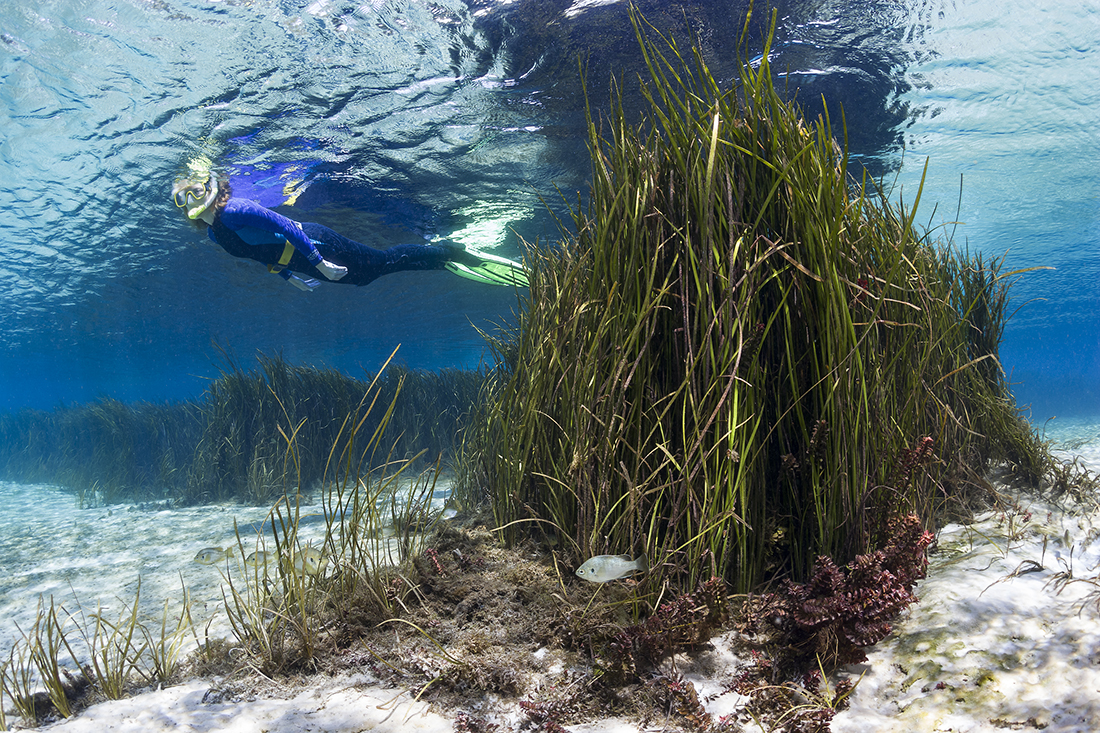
(195, 198)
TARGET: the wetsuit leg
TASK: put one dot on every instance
(366, 264)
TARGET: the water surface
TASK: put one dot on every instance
(407, 119)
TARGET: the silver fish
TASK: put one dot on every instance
(256, 559)
(310, 561)
(212, 555)
(602, 568)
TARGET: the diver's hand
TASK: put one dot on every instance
(331, 271)
(305, 284)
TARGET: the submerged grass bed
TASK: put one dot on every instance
(746, 357)
(289, 602)
(231, 443)
(745, 362)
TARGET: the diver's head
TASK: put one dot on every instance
(195, 192)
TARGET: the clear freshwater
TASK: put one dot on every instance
(404, 119)
(84, 558)
(407, 118)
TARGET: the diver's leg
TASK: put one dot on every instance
(425, 256)
(366, 263)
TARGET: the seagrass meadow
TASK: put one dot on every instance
(747, 356)
(756, 351)
(254, 435)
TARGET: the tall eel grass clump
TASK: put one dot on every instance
(377, 520)
(745, 357)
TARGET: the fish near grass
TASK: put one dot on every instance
(309, 561)
(604, 568)
(212, 555)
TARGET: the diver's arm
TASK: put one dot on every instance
(241, 213)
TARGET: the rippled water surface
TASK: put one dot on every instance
(1003, 97)
(396, 120)
(399, 120)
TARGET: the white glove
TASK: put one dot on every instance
(305, 284)
(331, 271)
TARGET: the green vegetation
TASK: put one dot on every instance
(231, 444)
(376, 521)
(40, 677)
(745, 358)
(280, 594)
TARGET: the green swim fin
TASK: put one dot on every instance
(491, 269)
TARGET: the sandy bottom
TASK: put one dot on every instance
(1006, 636)
(84, 558)
(342, 704)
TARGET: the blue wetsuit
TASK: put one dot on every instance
(245, 229)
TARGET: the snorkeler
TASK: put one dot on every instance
(301, 252)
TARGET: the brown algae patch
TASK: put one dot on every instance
(508, 636)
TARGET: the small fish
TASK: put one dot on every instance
(451, 509)
(310, 561)
(602, 568)
(256, 559)
(212, 555)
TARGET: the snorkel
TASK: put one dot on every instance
(196, 192)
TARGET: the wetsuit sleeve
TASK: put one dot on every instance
(241, 213)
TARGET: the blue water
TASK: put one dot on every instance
(1005, 96)
(407, 119)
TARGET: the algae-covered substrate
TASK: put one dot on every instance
(999, 640)
(1006, 635)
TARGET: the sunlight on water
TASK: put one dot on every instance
(406, 110)
(404, 121)
(489, 225)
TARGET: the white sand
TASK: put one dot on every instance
(331, 705)
(984, 650)
(987, 650)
